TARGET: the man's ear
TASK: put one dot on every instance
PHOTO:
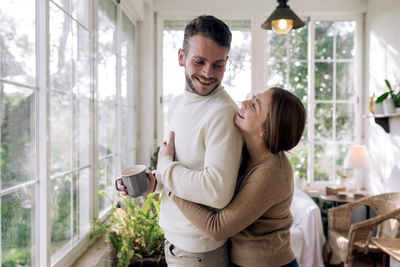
(181, 57)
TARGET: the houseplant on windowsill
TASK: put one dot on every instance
(388, 99)
(134, 237)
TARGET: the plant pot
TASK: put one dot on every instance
(388, 106)
(149, 262)
(378, 108)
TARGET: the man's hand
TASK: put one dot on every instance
(152, 185)
(167, 149)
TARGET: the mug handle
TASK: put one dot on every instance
(116, 184)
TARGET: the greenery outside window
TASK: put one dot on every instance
(318, 64)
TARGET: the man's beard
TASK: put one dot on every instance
(190, 87)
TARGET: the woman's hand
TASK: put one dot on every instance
(152, 185)
(167, 149)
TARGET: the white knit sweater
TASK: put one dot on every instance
(207, 150)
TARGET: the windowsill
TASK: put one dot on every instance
(95, 255)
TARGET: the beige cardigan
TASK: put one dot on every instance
(258, 219)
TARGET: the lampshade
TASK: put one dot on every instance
(283, 19)
(357, 157)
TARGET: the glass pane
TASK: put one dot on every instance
(298, 83)
(107, 129)
(345, 122)
(305, 133)
(78, 9)
(60, 215)
(107, 52)
(128, 159)
(345, 81)
(61, 50)
(345, 39)
(324, 32)
(323, 122)
(276, 46)
(83, 61)
(277, 74)
(323, 81)
(83, 133)
(298, 157)
(237, 78)
(341, 172)
(18, 228)
(106, 183)
(298, 41)
(18, 153)
(127, 83)
(128, 39)
(17, 41)
(60, 132)
(81, 202)
(128, 130)
(323, 161)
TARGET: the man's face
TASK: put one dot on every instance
(204, 64)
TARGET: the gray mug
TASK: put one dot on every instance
(135, 180)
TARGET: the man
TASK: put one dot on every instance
(207, 145)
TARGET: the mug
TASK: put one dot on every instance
(135, 180)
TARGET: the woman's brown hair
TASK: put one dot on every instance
(285, 121)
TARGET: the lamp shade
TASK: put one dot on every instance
(283, 19)
(356, 157)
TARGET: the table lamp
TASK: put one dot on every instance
(357, 158)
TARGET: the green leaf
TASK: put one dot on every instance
(388, 85)
(114, 242)
(382, 97)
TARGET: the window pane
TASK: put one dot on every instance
(17, 41)
(323, 81)
(60, 215)
(83, 133)
(81, 204)
(298, 47)
(277, 74)
(323, 161)
(345, 81)
(324, 32)
(128, 39)
(299, 159)
(345, 122)
(18, 154)
(127, 83)
(78, 9)
(298, 80)
(18, 228)
(128, 159)
(237, 78)
(60, 132)
(107, 51)
(128, 127)
(345, 39)
(323, 122)
(106, 183)
(61, 52)
(107, 128)
(276, 47)
(83, 62)
(341, 172)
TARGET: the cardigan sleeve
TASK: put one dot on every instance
(258, 193)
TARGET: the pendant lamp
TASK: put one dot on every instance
(283, 19)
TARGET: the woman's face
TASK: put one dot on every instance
(253, 114)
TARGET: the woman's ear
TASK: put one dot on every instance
(181, 57)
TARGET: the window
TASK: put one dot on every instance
(237, 77)
(91, 121)
(317, 63)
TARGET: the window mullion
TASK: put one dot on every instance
(118, 84)
(311, 101)
(334, 144)
(43, 132)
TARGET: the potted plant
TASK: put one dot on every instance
(388, 103)
(134, 237)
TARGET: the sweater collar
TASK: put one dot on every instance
(193, 97)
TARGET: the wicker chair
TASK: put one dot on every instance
(346, 240)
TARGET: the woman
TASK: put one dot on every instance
(258, 219)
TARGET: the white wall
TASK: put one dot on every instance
(382, 62)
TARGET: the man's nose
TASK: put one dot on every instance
(207, 71)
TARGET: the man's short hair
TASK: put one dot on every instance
(210, 27)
